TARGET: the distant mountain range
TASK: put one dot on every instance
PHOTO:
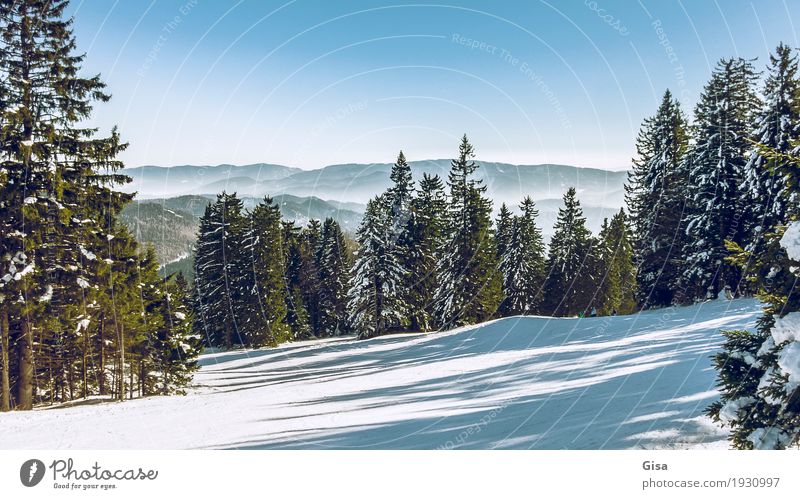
(357, 183)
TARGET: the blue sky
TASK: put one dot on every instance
(310, 82)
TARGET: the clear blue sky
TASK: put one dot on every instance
(311, 82)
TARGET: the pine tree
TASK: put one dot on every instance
(57, 182)
(424, 241)
(178, 345)
(262, 311)
(757, 373)
(656, 199)
(523, 263)
(778, 128)
(503, 231)
(333, 263)
(375, 296)
(219, 276)
(296, 313)
(571, 283)
(311, 239)
(617, 292)
(471, 286)
(716, 161)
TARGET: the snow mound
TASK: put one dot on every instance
(639, 381)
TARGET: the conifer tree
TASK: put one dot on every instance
(311, 238)
(656, 198)
(777, 130)
(262, 314)
(470, 283)
(178, 345)
(617, 292)
(375, 296)
(757, 372)
(523, 263)
(219, 275)
(333, 262)
(571, 283)
(503, 230)
(715, 163)
(296, 313)
(424, 241)
(57, 196)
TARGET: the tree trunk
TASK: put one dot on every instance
(25, 375)
(121, 366)
(102, 359)
(5, 387)
(84, 376)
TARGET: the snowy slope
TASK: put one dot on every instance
(598, 383)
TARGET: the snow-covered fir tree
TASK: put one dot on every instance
(424, 242)
(70, 302)
(293, 253)
(310, 240)
(219, 274)
(777, 130)
(523, 263)
(179, 345)
(759, 373)
(715, 164)
(572, 263)
(375, 295)
(470, 287)
(503, 230)
(656, 197)
(333, 263)
(263, 311)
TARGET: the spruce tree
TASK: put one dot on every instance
(503, 230)
(656, 198)
(219, 274)
(296, 313)
(617, 292)
(523, 263)
(311, 238)
(424, 241)
(179, 346)
(57, 189)
(375, 295)
(571, 283)
(757, 372)
(777, 130)
(333, 263)
(715, 163)
(470, 287)
(262, 312)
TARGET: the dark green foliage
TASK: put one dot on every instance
(263, 310)
(470, 288)
(724, 119)
(572, 263)
(333, 264)
(617, 294)
(375, 296)
(424, 239)
(656, 197)
(523, 263)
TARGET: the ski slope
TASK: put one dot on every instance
(639, 381)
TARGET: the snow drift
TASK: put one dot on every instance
(639, 381)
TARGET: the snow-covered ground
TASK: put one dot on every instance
(638, 381)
